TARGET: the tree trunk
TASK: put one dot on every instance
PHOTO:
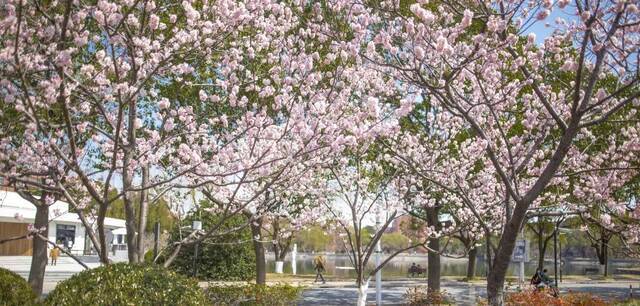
(258, 247)
(39, 258)
(496, 277)
(362, 293)
(142, 213)
(471, 265)
(488, 260)
(127, 184)
(433, 257)
(542, 249)
(103, 252)
(433, 265)
(130, 223)
(283, 252)
(605, 256)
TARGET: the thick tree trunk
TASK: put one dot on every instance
(433, 257)
(496, 277)
(433, 265)
(471, 265)
(142, 213)
(39, 258)
(258, 247)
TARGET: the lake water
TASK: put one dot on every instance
(340, 266)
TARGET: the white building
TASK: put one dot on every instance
(65, 227)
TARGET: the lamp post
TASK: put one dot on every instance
(562, 231)
(378, 259)
(555, 254)
(196, 226)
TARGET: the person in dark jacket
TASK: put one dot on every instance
(319, 266)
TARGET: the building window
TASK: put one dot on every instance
(65, 235)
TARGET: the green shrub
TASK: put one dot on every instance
(227, 257)
(127, 284)
(14, 290)
(252, 294)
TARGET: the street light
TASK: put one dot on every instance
(378, 259)
(196, 226)
(562, 231)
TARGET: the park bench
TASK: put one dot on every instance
(416, 270)
(591, 271)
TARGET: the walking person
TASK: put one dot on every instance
(318, 264)
(54, 253)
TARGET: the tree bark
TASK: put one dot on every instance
(39, 258)
(605, 257)
(471, 265)
(258, 247)
(542, 250)
(433, 257)
(130, 223)
(488, 249)
(103, 252)
(362, 292)
(142, 213)
(127, 183)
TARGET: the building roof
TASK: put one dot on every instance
(14, 208)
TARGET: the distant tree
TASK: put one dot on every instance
(313, 239)
(394, 241)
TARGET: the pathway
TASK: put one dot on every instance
(341, 293)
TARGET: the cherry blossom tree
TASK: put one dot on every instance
(357, 201)
(304, 92)
(526, 104)
(360, 193)
(137, 95)
(97, 70)
(451, 178)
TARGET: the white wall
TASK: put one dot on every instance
(78, 245)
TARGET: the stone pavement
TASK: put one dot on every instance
(344, 293)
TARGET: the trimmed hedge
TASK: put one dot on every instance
(14, 290)
(220, 258)
(127, 284)
(254, 295)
